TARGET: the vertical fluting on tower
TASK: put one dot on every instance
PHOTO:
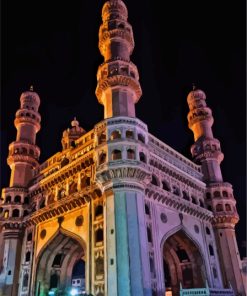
(118, 87)
(23, 153)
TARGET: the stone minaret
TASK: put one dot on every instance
(118, 88)
(23, 158)
(23, 153)
(219, 196)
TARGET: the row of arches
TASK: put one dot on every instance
(17, 199)
(129, 134)
(176, 191)
(223, 207)
(117, 154)
(13, 213)
(217, 193)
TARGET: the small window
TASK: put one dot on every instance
(28, 255)
(185, 195)
(29, 236)
(147, 211)
(165, 186)
(57, 260)
(17, 199)
(26, 200)
(216, 194)
(116, 154)
(151, 261)
(149, 235)
(225, 194)
(129, 134)
(130, 154)
(228, 207)
(176, 190)
(115, 135)
(208, 231)
(219, 208)
(211, 250)
(193, 200)
(16, 213)
(98, 210)
(201, 203)
(208, 195)
(8, 199)
(9, 272)
(25, 281)
(142, 157)
(99, 235)
(102, 158)
(141, 138)
(154, 180)
(6, 214)
(101, 138)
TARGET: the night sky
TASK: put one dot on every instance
(53, 45)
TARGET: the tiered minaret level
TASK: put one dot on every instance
(219, 195)
(118, 87)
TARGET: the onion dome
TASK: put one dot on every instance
(72, 134)
(30, 99)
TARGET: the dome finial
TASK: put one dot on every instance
(193, 86)
(75, 122)
(31, 87)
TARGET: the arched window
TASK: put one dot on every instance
(28, 256)
(155, 180)
(6, 214)
(228, 207)
(185, 195)
(25, 280)
(216, 194)
(219, 208)
(142, 157)
(115, 135)
(149, 234)
(175, 190)
(182, 255)
(225, 194)
(64, 162)
(208, 231)
(116, 154)
(147, 210)
(194, 201)
(211, 250)
(201, 203)
(57, 260)
(101, 138)
(99, 235)
(16, 213)
(141, 138)
(102, 158)
(29, 236)
(25, 213)
(26, 200)
(8, 199)
(208, 195)
(131, 154)
(54, 281)
(151, 261)
(121, 26)
(98, 210)
(17, 198)
(209, 208)
(165, 186)
(129, 134)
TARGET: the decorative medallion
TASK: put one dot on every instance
(196, 228)
(79, 220)
(163, 217)
(43, 234)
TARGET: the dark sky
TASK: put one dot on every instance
(54, 46)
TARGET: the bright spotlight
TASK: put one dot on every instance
(73, 292)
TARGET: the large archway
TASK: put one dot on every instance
(57, 263)
(183, 264)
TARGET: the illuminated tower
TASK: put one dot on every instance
(118, 87)
(23, 159)
(219, 194)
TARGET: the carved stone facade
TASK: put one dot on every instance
(137, 217)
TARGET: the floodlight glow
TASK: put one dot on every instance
(73, 292)
(51, 293)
